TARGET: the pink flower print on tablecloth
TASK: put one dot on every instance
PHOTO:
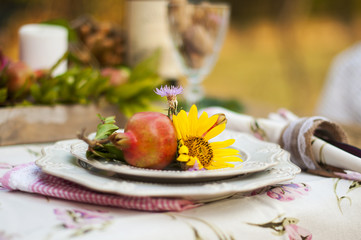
(258, 132)
(82, 220)
(349, 175)
(289, 192)
(286, 225)
(296, 232)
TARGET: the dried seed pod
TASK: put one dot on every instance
(102, 41)
(198, 39)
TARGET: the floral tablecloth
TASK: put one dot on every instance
(308, 207)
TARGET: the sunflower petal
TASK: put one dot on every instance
(230, 159)
(192, 161)
(225, 152)
(223, 144)
(206, 125)
(176, 126)
(203, 117)
(183, 158)
(183, 124)
(215, 131)
(193, 120)
(183, 150)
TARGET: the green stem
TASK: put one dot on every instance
(64, 57)
(91, 143)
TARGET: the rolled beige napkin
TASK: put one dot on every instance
(305, 138)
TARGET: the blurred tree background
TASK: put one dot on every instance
(276, 53)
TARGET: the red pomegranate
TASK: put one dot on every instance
(149, 140)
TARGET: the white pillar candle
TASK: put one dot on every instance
(42, 45)
(148, 31)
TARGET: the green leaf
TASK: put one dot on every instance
(108, 120)
(72, 36)
(114, 152)
(104, 130)
(101, 117)
(81, 85)
(3, 94)
(99, 154)
(146, 68)
(132, 89)
(3, 76)
(77, 85)
(108, 152)
(106, 127)
(63, 58)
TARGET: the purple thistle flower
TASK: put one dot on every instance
(171, 91)
(171, 94)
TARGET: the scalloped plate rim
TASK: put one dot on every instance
(56, 160)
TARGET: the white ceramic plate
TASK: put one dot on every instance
(257, 155)
(58, 161)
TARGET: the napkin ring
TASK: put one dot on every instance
(297, 138)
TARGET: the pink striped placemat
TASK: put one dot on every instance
(29, 178)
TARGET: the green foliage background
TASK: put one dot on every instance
(277, 53)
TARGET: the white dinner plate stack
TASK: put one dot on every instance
(263, 164)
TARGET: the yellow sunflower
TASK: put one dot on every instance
(194, 149)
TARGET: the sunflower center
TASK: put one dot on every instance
(200, 148)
